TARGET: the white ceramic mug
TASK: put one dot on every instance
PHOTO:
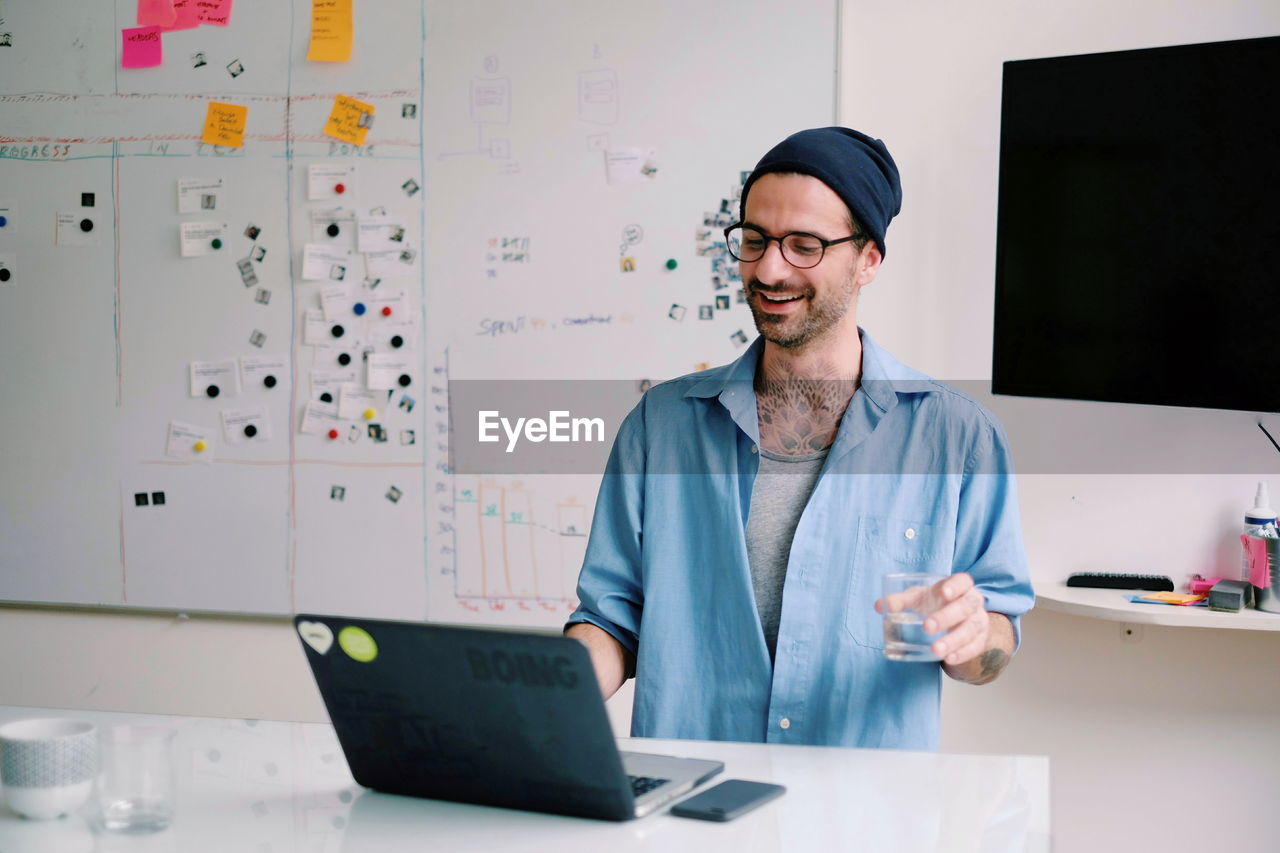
(47, 766)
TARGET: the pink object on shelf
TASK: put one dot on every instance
(1256, 550)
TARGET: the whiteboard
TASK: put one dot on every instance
(494, 128)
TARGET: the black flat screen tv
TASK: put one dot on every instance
(1138, 233)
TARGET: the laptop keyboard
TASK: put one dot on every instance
(645, 784)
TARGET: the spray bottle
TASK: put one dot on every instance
(1255, 519)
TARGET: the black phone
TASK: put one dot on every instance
(727, 800)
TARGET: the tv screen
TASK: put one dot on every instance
(1138, 234)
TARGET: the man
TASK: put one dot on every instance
(749, 511)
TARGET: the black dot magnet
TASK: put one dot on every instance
(344, 358)
(326, 397)
(269, 381)
(213, 391)
(250, 430)
(397, 341)
(215, 243)
(86, 225)
(5, 275)
(404, 380)
(332, 230)
(337, 331)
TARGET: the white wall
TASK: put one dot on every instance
(1146, 737)
(1134, 729)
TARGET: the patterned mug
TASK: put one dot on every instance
(47, 766)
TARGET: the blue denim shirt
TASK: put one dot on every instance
(919, 479)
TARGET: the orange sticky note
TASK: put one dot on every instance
(224, 125)
(330, 31)
(350, 120)
(156, 13)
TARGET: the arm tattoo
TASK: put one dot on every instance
(993, 663)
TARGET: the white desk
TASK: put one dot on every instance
(273, 787)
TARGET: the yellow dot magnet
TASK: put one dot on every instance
(200, 446)
(370, 414)
(357, 643)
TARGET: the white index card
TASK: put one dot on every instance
(318, 418)
(324, 179)
(331, 381)
(78, 230)
(264, 371)
(380, 234)
(200, 238)
(384, 371)
(628, 165)
(188, 441)
(199, 194)
(353, 401)
(335, 302)
(327, 263)
(246, 425)
(215, 378)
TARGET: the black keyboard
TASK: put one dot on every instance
(1111, 580)
(645, 784)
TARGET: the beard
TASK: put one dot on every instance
(821, 314)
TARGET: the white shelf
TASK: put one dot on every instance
(1111, 604)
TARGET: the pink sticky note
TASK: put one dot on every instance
(1259, 569)
(216, 12)
(156, 13)
(187, 16)
(142, 48)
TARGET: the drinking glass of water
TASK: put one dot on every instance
(137, 778)
(909, 599)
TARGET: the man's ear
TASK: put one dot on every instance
(868, 264)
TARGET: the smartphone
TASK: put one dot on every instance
(727, 800)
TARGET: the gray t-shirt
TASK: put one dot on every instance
(778, 497)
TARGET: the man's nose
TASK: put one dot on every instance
(772, 268)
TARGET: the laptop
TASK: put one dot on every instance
(482, 716)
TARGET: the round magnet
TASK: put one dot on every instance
(357, 643)
(397, 341)
(326, 397)
(4, 275)
(339, 188)
(269, 381)
(86, 225)
(333, 434)
(386, 310)
(404, 380)
(332, 230)
(4, 220)
(344, 358)
(337, 331)
(370, 414)
(213, 391)
(672, 263)
(215, 243)
(250, 430)
(359, 309)
(199, 446)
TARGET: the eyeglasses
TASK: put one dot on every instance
(803, 251)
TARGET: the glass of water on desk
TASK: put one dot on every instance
(137, 778)
(913, 598)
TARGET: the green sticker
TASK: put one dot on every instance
(357, 643)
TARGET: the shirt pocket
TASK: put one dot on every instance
(886, 545)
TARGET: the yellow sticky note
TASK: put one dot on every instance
(224, 125)
(330, 31)
(350, 120)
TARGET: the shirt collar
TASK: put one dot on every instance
(883, 376)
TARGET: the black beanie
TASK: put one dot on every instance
(858, 168)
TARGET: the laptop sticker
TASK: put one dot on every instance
(357, 643)
(317, 635)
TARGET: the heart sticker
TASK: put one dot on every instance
(317, 635)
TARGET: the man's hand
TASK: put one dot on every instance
(976, 645)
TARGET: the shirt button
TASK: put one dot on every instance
(755, 449)
(910, 533)
(784, 723)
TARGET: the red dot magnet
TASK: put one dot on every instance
(333, 434)
(386, 311)
(339, 188)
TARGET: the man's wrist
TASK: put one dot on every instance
(987, 666)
